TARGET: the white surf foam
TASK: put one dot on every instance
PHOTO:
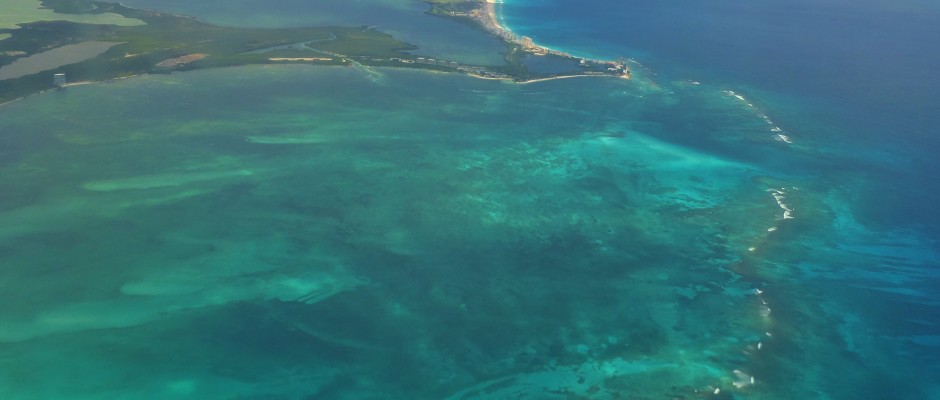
(781, 137)
(742, 380)
(784, 138)
(779, 196)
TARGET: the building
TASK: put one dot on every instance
(58, 79)
(452, 64)
(421, 60)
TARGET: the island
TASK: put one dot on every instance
(164, 43)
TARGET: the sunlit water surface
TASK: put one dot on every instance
(299, 232)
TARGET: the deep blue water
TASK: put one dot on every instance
(858, 81)
(870, 56)
(857, 73)
(753, 216)
(854, 74)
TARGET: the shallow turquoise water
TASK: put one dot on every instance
(316, 232)
(297, 232)
(853, 86)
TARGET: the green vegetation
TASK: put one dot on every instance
(162, 43)
(77, 6)
(450, 7)
(166, 37)
(15, 12)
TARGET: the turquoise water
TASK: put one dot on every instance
(298, 232)
(853, 86)
(316, 231)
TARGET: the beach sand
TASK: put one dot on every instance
(489, 20)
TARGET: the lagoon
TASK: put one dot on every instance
(17, 12)
(406, 20)
(52, 59)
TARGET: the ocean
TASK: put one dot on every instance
(853, 85)
(857, 74)
(753, 216)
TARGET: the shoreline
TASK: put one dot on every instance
(555, 78)
(71, 84)
(482, 13)
(468, 74)
(167, 43)
(488, 18)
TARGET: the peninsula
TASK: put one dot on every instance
(483, 13)
(163, 43)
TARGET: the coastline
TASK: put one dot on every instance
(142, 57)
(71, 84)
(167, 43)
(488, 18)
(555, 78)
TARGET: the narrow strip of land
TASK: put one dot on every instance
(484, 13)
(163, 43)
